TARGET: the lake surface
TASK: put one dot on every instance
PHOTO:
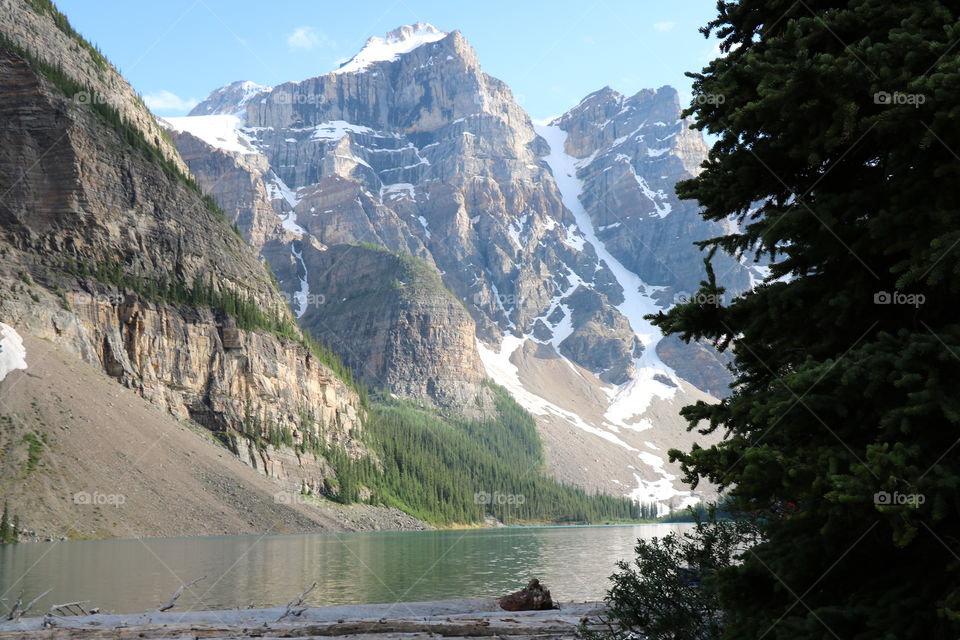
(126, 576)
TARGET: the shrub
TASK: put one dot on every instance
(669, 591)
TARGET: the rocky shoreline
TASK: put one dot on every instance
(461, 618)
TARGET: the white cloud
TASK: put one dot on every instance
(664, 26)
(307, 38)
(168, 101)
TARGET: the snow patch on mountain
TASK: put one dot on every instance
(562, 328)
(250, 91)
(662, 488)
(220, 131)
(336, 129)
(277, 189)
(630, 400)
(13, 355)
(425, 225)
(637, 303)
(658, 198)
(398, 191)
(396, 43)
(505, 373)
(302, 296)
(662, 491)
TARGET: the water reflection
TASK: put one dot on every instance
(134, 575)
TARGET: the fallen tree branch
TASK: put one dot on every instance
(176, 594)
(15, 609)
(30, 604)
(66, 609)
(18, 609)
(292, 606)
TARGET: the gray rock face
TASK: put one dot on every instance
(556, 239)
(92, 238)
(426, 155)
(423, 153)
(48, 37)
(396, 323)
(229, 99)
(602, 339)
(633, 151)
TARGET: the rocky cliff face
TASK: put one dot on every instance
(45, 31)
(632, 152)
(108, 250)
(422, 154)
(396, 324)
(558, 238)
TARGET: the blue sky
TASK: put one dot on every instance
(551, 52)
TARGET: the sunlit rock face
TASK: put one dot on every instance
(559, 236)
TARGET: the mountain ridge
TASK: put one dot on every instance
(112, 253)
(439, 161)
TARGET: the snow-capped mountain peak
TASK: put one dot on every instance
(399, 41)
(229, 100)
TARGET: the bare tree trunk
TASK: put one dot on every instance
(293, 607)
(176, 594)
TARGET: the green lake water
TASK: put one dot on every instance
(123, 576)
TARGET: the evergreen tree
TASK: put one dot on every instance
(5, 525)
(439, 468)
(838, 154)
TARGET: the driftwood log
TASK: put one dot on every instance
(71, 609)
(477, 628)
(169, 604)
(18, 609)
(533, 597)
(294, 607)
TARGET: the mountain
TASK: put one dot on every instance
(116, 267)
(556, 238)
(628, 154)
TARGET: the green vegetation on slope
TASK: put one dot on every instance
(46, 7)
(9, 530)
(455, 471)
(35, 446)
(248, 314)
(412, 275)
